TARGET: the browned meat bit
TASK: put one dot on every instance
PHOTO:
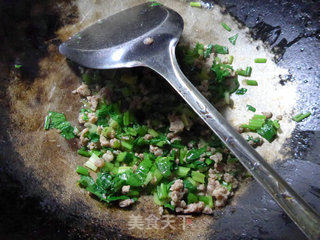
(147, 136)
(80, 118)
(194, 207)
(267, 114)
(104, 142)
(201, 187)
(279, 117)
(240, 129)
(207, 210)
(92, 118)
(148, 41)
(176, 125)
(177, 193)
(230, 179)
(126, 203)
(125, 189)
(156, 150)
(218, 191)
(83, 139)
(83, 90)
(99, 162)
(108, 156)
(216, 157)
(93, 102)
(93, 145)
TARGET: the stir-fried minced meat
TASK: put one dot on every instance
(194, 207)
(83, 90)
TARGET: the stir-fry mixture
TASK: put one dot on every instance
(139, 138)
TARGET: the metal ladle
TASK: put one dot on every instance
(146, 35)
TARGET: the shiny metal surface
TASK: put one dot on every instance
(118, 42)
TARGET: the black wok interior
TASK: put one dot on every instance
(290, 28)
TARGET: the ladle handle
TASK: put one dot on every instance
(297, 209)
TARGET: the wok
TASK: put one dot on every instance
(39, 196)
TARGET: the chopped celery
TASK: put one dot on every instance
(82, 170)
(197, 176)
(192, 198)
(182, 171)
(226, 27)
(91, 165)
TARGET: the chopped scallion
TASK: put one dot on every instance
(299, 117)
(250, 108)
(241, 91)
(195, 4)
(233, 39)
(226, 27)
(260, 60)
(82, 170)
(220, 49)
(251, 82)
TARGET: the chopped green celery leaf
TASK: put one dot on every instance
(192, 198)
(123, 169)
(162, 192)
(220, 49)
(58, 121)
(276, 124)
(17, 66)
(121, 156)
(84, 152)
(208, 51)
(207, 200)
(208, 161)
(221, 70)
(126, 145)
(227, 185)
(152, 132)
(198, 177)
(182, 154)
(96, 152)
(157, 174)
(260, 60)
(160, 141)
(268, 131)
(190, 184)
(250, 108)
(171, 207)
(195, 4)
(258, 116)
(108, 166)
(301, 116)
(86, 181)
(241, 91)
(230, 61)
(126, 118)
(194, 154)
(226, 27)
(199, 165)
(91, 165)
(156, 199)
(148, 178)
(182, 171)
(143, 169)
(82, 170)
(94, 137)
(233, 39)
(164, 166)
(251, 82)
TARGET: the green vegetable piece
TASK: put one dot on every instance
(226, 27)
(182, 171)
(276, 124)
(246, 73)
(86, 78)
(233, 39)
(58, 121)
(192, 198)
(241, 91)
(167, 205)
(157, 174)
(251, 82)
(250, 108)
(121, 156)
(84, 152)
(207, 200)
(260, 60)
(156, 199)
(268, 131)
(126, 118)
(17, 66)
(227, 185)
(230, 61)
(197, 176)
(164, 165)
(195, 4)
(91, 165)
(162, 192)
(208, 51)
(82, 170)
(299, 117)
(221, 49)
(126, 145)
(152, 132)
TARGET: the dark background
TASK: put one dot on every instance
(290, 28)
